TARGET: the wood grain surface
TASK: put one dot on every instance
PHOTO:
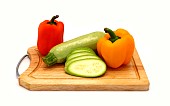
(40, 77)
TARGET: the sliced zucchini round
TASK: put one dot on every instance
(86, 68)
(82, 49)
(79, 54)
(80, 58)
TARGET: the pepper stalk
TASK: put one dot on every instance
(52, 20)
(112, 35)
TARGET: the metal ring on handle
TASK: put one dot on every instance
(17, 73)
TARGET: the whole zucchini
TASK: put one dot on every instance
(59, 52)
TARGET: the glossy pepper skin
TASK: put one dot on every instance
(116, 48)
(50, 33)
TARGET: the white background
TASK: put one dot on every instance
(147, 20)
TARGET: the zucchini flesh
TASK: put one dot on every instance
(80, 58)
(79, 54)
(83, 49)
(87, 68)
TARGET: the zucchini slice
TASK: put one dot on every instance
(83, 49)
(80, 58)
(79, 54)
(86, 68)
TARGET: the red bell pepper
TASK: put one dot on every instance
(50, 33)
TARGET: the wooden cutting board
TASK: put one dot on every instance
(39, 76)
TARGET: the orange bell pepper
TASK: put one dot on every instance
(116, 48)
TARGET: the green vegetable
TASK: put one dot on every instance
(59, 53)
(82, 49)
(73, 55)
(84, 63)
(80, 58)
(86, 68)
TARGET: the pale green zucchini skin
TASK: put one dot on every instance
(59, 52)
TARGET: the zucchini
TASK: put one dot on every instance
(83, 49)
(83, 62)
(86, 68)
(59, 52)
(80, 58)
(79, 54)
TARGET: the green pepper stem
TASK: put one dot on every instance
(52, 20)
(112, 35)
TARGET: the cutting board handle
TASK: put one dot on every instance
(20, 61)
